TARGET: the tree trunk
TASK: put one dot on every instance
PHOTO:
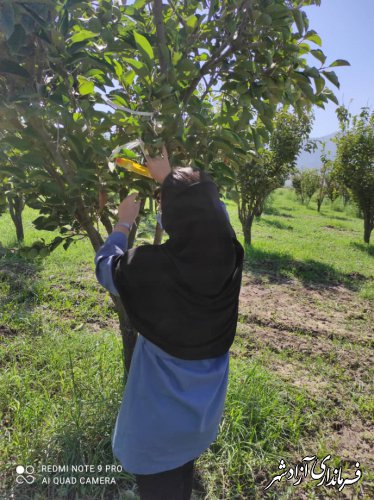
(158, 235)
(106, 222)
(247, 228)
(127, 331)
(162, 45)
(134, 228)
(16, 205)
(319, 204)
(87, 224)
(368, 227)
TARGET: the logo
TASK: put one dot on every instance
(328, 476)
(22, 477)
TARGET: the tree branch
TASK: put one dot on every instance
(208, 85)
(55, 154)
(227, 48)
(162, 47)
(212, 63)
(180, 18)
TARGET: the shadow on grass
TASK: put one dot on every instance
(19, 288)
(277, 266)
(367, 248)
(277, 224)
(336, 217)
(275, 211)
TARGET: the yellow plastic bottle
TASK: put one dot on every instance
(132, 166)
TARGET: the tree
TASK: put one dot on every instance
(3, 200)
(159, 67)
(354, 163)
(306, 183)
(12, 196)
(326, 182)
(269, 167)
(55, 128)
(296, 184)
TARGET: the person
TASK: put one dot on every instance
(182, 297)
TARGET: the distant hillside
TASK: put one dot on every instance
(313, 160)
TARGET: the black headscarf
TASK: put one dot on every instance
(183, 295)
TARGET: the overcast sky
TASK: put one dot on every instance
(347, 31)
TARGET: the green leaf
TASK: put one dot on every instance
(117, 99)
(191, 21)
(186, 66)
(298, 17)
(320, 84)
(82, 35)
(219, 167)
(6, 19)
(318, 54)
(143, 45)
(176, 57)
(7, 66)
(307, 90)
(265, 19)
(313, 72)
(139, 67)
(139, 4)
(256, 138)
(267, 121)
(331, 96)
(340, 62)
(198, 120)
(314, 37)
(277, 11)
(85, 86)
(128, 77)
(332, 76)
(118, 69)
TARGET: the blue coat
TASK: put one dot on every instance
(171, 407)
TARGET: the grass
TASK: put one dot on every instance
(62, 373)
(261, 418)
(292, 240)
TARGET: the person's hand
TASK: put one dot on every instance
(128, 209)
(159, 166)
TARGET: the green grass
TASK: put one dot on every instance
(262, 417)
(294, 241)
(61, 356)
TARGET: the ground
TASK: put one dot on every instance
(320, 339)
(300, 370)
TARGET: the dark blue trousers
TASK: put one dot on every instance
(174, 484)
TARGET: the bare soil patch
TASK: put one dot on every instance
(320, 339)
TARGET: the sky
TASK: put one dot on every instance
(346, 29)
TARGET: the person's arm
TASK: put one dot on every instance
(116, 243)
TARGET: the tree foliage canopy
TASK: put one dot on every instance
(354, 165)
(204, 77)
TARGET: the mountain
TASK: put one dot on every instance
(313, 160)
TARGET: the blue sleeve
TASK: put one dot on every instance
(115, 244)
